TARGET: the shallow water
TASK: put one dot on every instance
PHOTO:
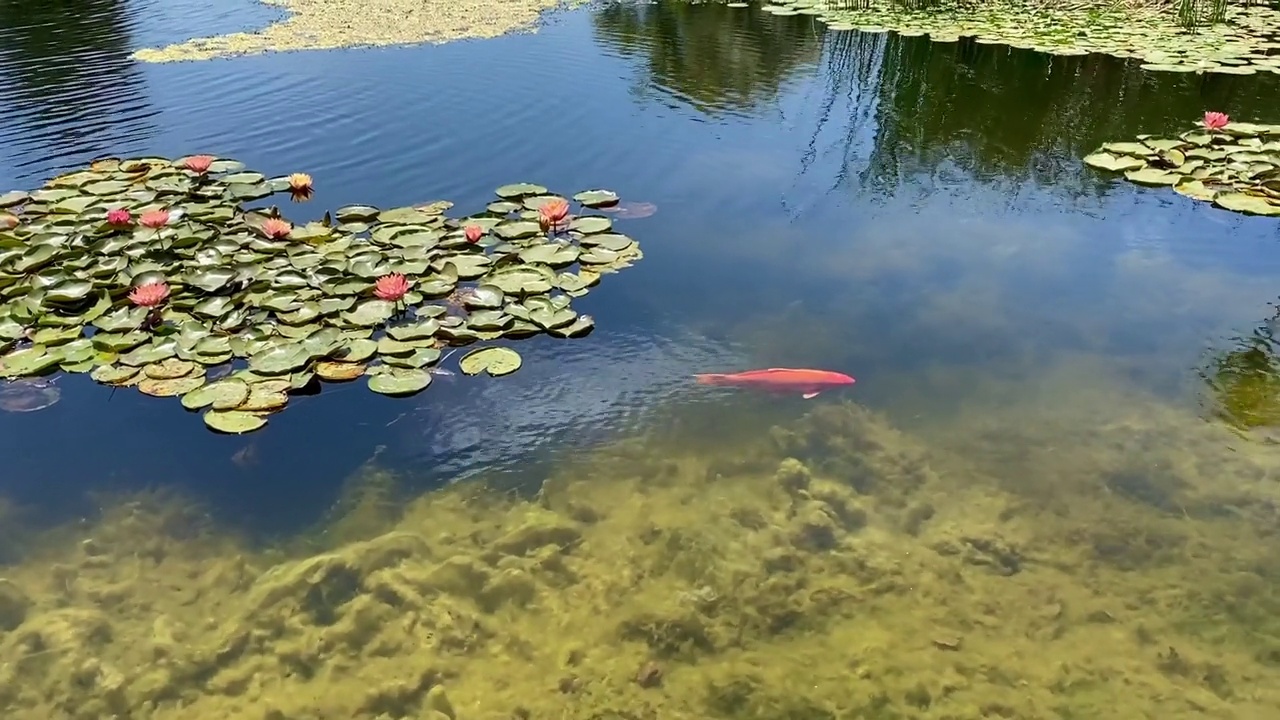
(1035, 469)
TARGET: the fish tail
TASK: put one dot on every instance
(711, 379)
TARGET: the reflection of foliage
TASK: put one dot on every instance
(709, 56)
(1245, 380)
(214, 284)
(1021, 114)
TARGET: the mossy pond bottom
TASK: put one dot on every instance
(827, 566)
(1052, 494)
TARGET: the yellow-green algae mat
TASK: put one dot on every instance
(150, 273)
(1236, 167)
(1248, 41)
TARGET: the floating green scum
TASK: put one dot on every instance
(1246, 42)
(150, 273)
(1234, 165)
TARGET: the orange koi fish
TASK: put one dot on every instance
(806, 382)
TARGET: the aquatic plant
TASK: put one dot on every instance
(1215, 120)
(1247, 40)
(1234, 165)
(201, 282)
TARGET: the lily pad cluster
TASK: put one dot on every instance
(151, 273)
(1247, 42)
(1235, 166)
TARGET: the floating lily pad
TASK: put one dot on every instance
(1237, 167)
(1114, 163)
(519, 190)
(169, 388)
(596, 198)
(399, 382)
(167, 302)
(334, 371)
(22, 396)
(496, 361)
(225, 394)
(234, 422)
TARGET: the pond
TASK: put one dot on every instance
(1051, 492)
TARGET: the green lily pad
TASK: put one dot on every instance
(295, 307)
(597, 198)
(225, 394)
(279, 359)
(1250, 204)
(497, 361)
(519, 190)
(399, 382)
(1114, 163)
(234, 422)
(114, 374)
(590, 224)
(170, 387)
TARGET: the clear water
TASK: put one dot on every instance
(1035, 508)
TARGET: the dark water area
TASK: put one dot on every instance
(912, 213)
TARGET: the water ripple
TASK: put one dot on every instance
(566, 395)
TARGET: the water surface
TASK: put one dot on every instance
(1054, 342)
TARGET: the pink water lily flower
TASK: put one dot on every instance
(275, 228)
(149, 295)
(473, 233)
(1215, 120)
(155, 219)
(119, 216)
(199, 164)
(391, 287)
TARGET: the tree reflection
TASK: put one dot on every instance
(68, 83)
(1001, 111)
(711, 57)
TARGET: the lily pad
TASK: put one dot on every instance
(234, 422)
(1249, 204)
(192, 283)
(1114, 163)
(519, 190)
(23, 396)
(597, 198)
(399, 382)
(170, 388)
(225, 394)
(496, 361)
(334, 371)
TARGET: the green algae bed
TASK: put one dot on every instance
(328, 24)
(1109, 559)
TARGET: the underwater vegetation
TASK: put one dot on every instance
(1234, 165)
(826, 567)
(150, 273)
(1247, 41)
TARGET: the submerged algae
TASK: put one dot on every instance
(835, 567)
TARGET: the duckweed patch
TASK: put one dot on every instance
(328, 24)
(827, 567)
(150, 273)
(1235, 167)
(1247, 42)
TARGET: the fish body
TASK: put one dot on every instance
(806, 382)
